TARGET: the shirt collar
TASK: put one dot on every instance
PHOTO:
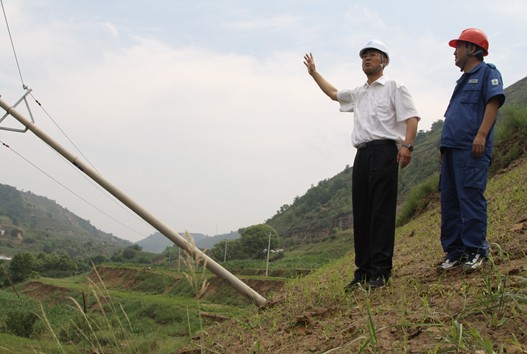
(476, 68)
(473, 71)
(381, 81)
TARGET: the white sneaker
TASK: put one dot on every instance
(448, 265)
(475, 261)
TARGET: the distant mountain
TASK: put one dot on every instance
(157, 243)
(33, 223)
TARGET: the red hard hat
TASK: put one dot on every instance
(475, 36)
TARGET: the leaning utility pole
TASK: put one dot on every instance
(211, 265)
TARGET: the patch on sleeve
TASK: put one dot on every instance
(495, 82)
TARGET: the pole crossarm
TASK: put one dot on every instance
(23, 98)
(180, 241)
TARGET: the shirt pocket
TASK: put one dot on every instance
(470, 95)
(383, 108)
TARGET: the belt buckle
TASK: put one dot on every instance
(361, 146)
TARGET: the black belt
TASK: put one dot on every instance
(374, 143)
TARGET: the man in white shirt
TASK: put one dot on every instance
(385, 125)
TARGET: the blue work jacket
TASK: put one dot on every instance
(465, 111)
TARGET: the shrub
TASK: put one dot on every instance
(21, 323)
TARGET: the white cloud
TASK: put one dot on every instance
(360, 17)
(260, 24)
(195, 128)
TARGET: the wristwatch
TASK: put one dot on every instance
(408, 146)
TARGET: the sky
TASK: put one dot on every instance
(202, 112)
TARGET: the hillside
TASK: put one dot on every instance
(517, 93)
(33, 223)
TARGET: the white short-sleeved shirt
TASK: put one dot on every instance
(380, 110)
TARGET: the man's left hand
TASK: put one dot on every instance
(404, 156)
(478, 146)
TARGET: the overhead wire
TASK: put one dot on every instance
(25, 87)
(13, 45)
(64, 186)
(62, 131)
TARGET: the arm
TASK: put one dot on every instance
(325, 86)
(404, 155)
(491, 110)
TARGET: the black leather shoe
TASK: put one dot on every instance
(354, 284)
(377, 282)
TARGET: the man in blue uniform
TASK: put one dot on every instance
(466, 151)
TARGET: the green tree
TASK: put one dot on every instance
(217, 252)
(136, 247)
(98, 259)
(66, 263)
(129, 252)
(252, 244)
(254, 241)
(46, 262)
(22, 266)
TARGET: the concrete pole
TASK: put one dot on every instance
(173, 236)
(268, 253)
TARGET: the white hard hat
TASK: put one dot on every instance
(376, 44)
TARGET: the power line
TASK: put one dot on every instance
(13, 45)
(25, 87)
(68, 189)
(62, 131)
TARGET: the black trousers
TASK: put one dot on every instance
(374, 189)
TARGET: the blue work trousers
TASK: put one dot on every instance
(463, 204)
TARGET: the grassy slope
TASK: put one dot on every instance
(421, 311)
